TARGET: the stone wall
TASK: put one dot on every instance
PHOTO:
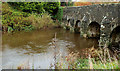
(106, 15)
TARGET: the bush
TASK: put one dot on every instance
(13, 20)
(36, 7)
(59, 14)
(41, 21)
(51, 7)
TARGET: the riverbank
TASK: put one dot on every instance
(100, 58)
(15, 20)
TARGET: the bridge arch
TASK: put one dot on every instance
(68, 24)
(77, 26)
(94, 29)
(72, 22)
(115, 34)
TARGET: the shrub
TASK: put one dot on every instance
(13, 20)
(59, 14)
(36, 7)
(51, 7)
(41, 21)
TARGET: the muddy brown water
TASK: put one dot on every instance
(36, 50)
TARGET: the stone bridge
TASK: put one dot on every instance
(102, 20)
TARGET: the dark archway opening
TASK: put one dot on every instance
(114, 46)
(72, 22)
(77, 26)
(68, 25)
(115, 35)
(94, 30)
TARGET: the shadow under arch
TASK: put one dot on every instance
(114, 45)
(77, 26)
(94, 29)
(68, 25)
(115, 34)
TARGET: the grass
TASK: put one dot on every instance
(96, 59)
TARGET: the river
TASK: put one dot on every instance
(36, 49)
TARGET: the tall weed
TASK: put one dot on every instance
(41, 21)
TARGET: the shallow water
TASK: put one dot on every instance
(36, 49)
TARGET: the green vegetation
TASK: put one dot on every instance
(28, 7)
(96, 59)
(43, 21)
(59, 14)
(36, 7)
(13, 20)
(17, 16)
(69, 3)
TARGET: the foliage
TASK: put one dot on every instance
(97, 59)
(82, 3)
(59, 14)
(14, 20)
(82, 64)
(36, 7)
(68, 3)
(51, 7)
(90, 3)
(41, 21)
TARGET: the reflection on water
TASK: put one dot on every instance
(35, 49)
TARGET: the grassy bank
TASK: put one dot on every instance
(16, 20)
(95, 59)
(100, 58)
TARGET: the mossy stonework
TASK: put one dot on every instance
(94, 20)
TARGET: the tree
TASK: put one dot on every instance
(36, 7)
(52, 7)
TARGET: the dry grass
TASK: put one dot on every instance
(41, 21)
(102, 59)
(97, 59)
(68, 62)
